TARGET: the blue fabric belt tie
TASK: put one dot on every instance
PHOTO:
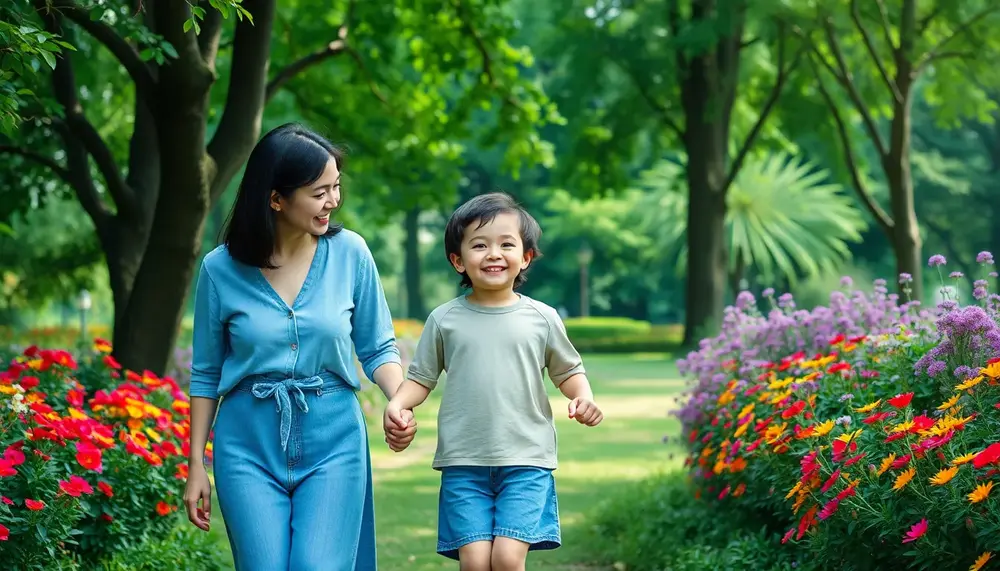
(280, 389)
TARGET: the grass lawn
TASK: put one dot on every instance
(635, 392)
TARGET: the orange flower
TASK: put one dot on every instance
(969, 383)
(944, 476)
(949, 403)
(981, 561)
(981, 492)
(886, 463)
(904, 478)
(163, 508)
(964, 458)
(869, 407)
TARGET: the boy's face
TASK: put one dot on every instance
(493, 255)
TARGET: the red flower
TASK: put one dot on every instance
(28, 382)
(14, 456)
(4, 533)
(918, 530)
(163, 508)
(105, 489)
(901, 401)
(111, 362)
(89, 456)
(6, 469)
(836, 368)
(794, 409)
(75, 486)
(7, 500)
(838, 339)
(34, 505)
(988, 456)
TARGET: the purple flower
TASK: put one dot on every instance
(956, 275)
(984, 258)
(936, 260)
(936, 368)
(905, 278)
(846, 281)
(744, 299)
(846, 397)
(768, 292)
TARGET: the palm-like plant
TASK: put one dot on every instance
(784, 219)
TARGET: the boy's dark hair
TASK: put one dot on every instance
(483, 209)
(284, 160)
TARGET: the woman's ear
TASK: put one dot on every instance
(275, 201)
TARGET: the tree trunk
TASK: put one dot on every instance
(708, 89)
(415, 308)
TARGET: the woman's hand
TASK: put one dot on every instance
(198, 488)
(400, 427)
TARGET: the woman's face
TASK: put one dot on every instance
(308, 208)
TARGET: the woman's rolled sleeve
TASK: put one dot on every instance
(208, 339)
(372, 331)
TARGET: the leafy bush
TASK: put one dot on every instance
(659, 339)
(868, 428)
(93, 459)
(657, 525)
(583, 328)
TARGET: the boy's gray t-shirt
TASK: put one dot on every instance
(494, 410)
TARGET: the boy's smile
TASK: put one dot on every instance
(493, 255)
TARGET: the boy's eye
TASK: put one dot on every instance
(508, 245)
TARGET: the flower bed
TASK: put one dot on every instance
(868, 430)
(93, 459)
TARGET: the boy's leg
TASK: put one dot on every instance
(527, 515)
(465, 516)
(475, 556)
(509, 554)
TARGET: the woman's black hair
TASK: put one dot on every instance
(285, 159)
(481, 210)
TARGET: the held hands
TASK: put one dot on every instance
(585, 411)
(399, 425)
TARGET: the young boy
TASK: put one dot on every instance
(496, 445)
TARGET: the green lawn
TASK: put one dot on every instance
(636, 393)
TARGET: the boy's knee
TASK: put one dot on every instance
(509, 555)
(475, 556)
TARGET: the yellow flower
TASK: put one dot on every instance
(847, 437)
(824, 428)
(904, 478)
(745, 410)
(981, 561)
(780, 384)
(781, 396)
(886, 462)
(944, 476)
(743, 428)
(869, 407)
(981, 492)
(949, 403)
(726, 398)
(795, 488)
(964, 458)
(992, 370)
(969, 383)
(903, 426)
(773, 433)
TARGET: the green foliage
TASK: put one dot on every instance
(784, 218)
(184, 547)
(658, 524)
(580, 328)
(23, 48)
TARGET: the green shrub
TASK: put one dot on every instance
(185, 547)
(658, 524)
(584, 328)
(659, 339)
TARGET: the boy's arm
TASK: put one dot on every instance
(582, 406)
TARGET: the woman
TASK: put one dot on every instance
(278, 308)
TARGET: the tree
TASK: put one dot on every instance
(784, 219)
(877, 54)
(148, 201)
(687, 66)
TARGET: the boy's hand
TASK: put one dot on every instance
(585, 411)
(399, 426)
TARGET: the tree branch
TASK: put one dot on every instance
(844, 77)
(145, 84)
(925, 22)
(933, 52)
(926, 61)
(873, 207)
(886, 26)
(750, 42)
(78, 169)
(80, 129)
(870, 45)
(334, 48)
(769, 103)
(39, 158)
(662, 111)
(211, 31)
(240, 124)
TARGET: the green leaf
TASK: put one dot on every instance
(169, 49)
(49, 59)
(188, 24)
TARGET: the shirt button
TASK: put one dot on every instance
(295, 346)
(291, 314)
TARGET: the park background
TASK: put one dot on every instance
(675, 152)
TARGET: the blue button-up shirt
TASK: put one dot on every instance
(242, 327)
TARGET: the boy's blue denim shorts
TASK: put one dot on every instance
(480, 503)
